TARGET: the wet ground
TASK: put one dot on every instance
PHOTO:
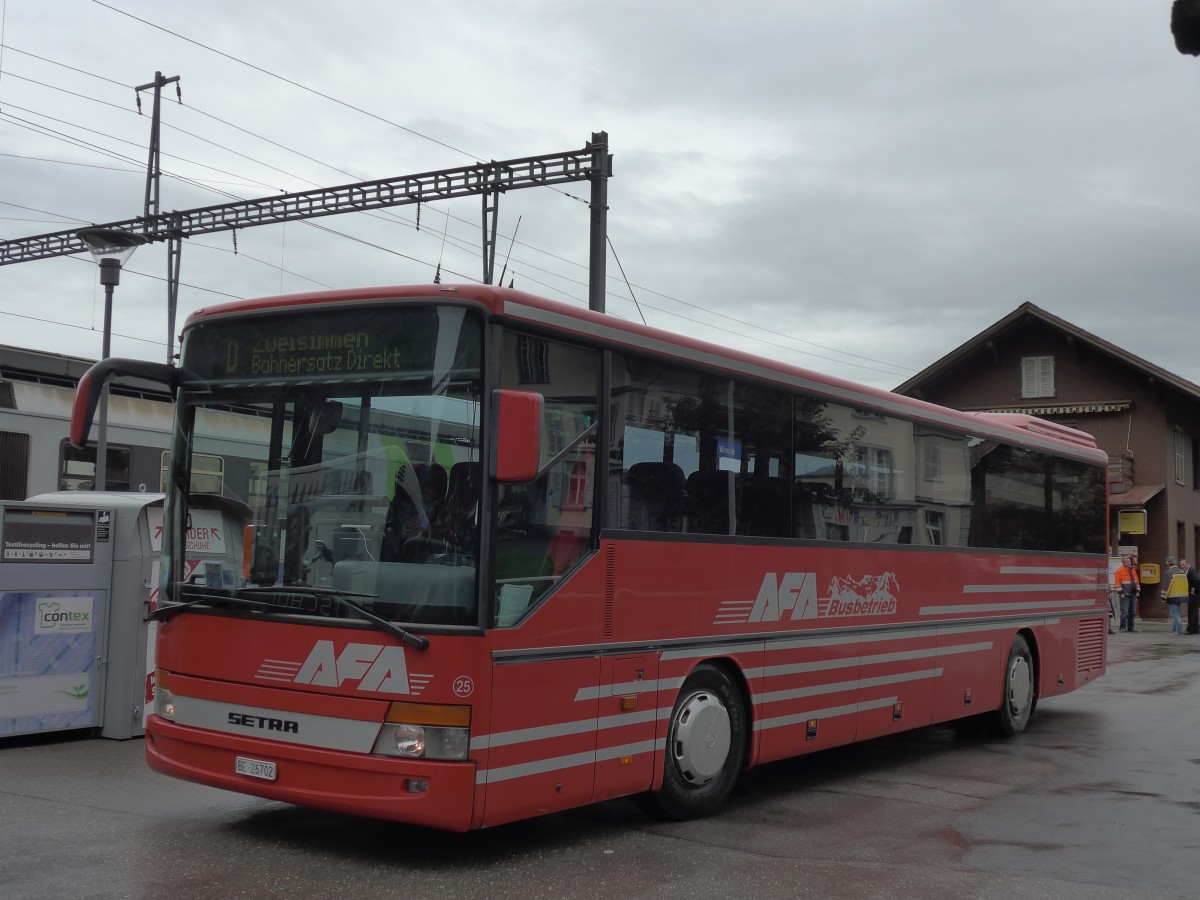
(1098, 800)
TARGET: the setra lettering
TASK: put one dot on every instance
(264, 723)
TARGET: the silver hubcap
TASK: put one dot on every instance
(1020, 686)
(701, 738)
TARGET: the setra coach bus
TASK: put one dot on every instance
(495, 556)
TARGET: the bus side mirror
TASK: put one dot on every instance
(87, 394)
(518, 429)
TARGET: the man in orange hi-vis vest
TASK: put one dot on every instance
(1130, 588)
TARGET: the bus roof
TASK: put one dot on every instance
(568, 319)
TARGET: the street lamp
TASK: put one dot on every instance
(111, 248)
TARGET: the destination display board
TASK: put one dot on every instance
(357, 342)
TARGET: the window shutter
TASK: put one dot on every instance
(1037, 376)
(1046, 376)
(1029, 370)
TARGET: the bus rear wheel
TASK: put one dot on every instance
(1020, 691)
(706, 746)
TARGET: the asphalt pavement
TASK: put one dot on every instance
(1098, 800)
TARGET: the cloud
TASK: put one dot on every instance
(853, 187)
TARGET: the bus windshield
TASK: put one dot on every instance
(348, 444)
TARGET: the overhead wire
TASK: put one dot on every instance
(228, 195)
(525, 274)
(285, 80)
(400, 219)
(87, 145)
(112, 137)
(244, 255)
(43, 212)
(16, 315)
(379, 215)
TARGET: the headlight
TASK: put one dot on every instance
(425, 731)
(408, 740)
(423, 742)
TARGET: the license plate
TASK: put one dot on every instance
(255, 768)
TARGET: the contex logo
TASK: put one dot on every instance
(372, 666)
(794, 596)
(64, 615)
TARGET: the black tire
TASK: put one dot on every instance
(1019, 691)
(706, 746)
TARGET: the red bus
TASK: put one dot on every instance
(488, 556)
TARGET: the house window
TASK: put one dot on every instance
(874, 471)
(933, 462)
(935, 527)
(1037, 376)
(1180, 456)
(533, 360)
(578, 481)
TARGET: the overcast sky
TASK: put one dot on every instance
(856, 188)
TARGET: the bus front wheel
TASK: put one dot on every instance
(706, 745)
(1020, 690)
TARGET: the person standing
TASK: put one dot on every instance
(1193, 600)
(1175, 592)
(1129, 587)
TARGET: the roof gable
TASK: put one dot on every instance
(1023, 316)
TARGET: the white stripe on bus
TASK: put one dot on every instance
(558, 763)
(1053, 570)
(993, 607)
(563, 729)
(842, 686)
(1025, 588)
(876, 659)
(800, 718)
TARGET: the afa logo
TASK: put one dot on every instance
(365, 667)
(794, 596)
(373, 667)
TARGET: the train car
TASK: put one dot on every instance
(36, 392)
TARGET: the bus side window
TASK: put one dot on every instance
(544, 527)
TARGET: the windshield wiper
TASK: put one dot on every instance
(342, 598)
(165, 612)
